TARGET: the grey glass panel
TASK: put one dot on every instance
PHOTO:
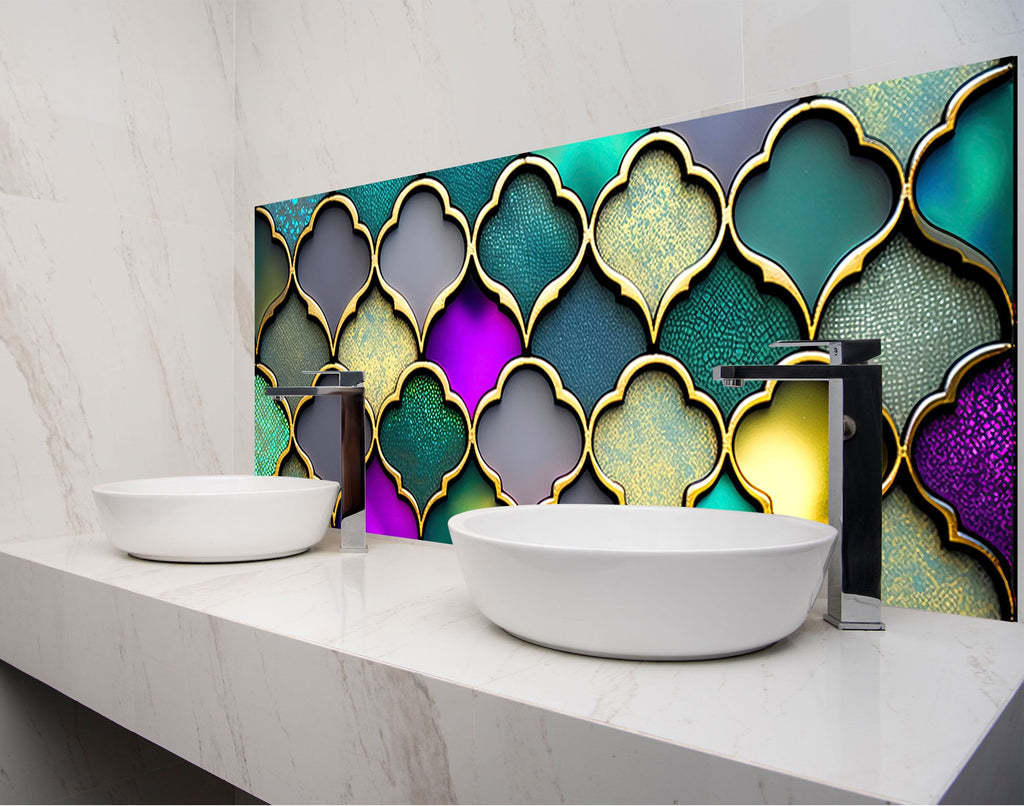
(318, 432)
(528, 439)
(333, 263)
(423, 254)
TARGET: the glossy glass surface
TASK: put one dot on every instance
(623, 269)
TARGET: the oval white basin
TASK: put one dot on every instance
(210, 519)
(651, 583)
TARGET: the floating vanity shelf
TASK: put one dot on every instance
(373, 678)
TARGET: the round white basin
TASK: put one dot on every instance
(209, 519)
(652, 583)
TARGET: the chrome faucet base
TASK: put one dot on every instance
(854, 587)
(352, 510)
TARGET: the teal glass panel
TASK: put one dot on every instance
(589, 337)
(472, 490)
(724, 319)
(271, 272)
(814, 203)
(586, 167)
(292, 217)
(726, 495)
(293, 342)
(965, 185)
(529, 240)
(271, 433)
(423, 437)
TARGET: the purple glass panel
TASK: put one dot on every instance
(472, 340)
(386, 513)
(968, 456)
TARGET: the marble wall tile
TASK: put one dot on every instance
(115, 245)
(388, 88)
(116, 311)
(804, 46)
(120, 105)
(115, 333)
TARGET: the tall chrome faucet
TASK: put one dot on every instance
(352, 523)
(854, 470)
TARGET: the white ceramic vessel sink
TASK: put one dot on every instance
(209, 519)
(651, 583)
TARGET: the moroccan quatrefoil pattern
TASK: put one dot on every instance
(543, 327)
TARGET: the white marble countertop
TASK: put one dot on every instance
(373, 678)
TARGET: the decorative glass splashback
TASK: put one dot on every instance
(542, 327)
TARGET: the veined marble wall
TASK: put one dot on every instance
(116, 321)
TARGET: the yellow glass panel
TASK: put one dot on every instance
(655, 443)
(379, 343)
(656, 227)
(782, 449)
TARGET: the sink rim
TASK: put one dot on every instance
(262, 485)
(813, 532)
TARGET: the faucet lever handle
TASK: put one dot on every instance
(847, 351)
(345, 378)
